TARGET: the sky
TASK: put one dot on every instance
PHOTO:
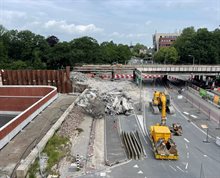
(123, 21)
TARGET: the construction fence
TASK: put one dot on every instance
(57, 78)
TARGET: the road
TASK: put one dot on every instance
(196, 158)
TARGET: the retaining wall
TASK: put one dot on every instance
(31, 100)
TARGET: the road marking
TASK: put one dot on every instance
(179, 168)
(172, 168)
(186, 146)
(201, 130)
(186, 165)
(186, 113)
(186, 140)
(193, 116)
(191, 122)
(135, 166)
(187, 154)
(102, 174)
(140, 172)
(120, 164)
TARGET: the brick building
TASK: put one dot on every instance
(164, 40)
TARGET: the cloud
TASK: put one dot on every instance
(136, 35)
(148, 22)
(117, 34)
(181, 3)
(130, 35)
(71, 28)
(9, 15)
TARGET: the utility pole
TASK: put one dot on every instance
(140, 83)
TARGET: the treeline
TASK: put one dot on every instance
(26, 50)
(201, 46)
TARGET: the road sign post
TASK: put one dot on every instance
(207, 133)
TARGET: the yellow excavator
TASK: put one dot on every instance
(160, 135)
(156, 104)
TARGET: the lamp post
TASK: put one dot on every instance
(193, 58)
(140, 101)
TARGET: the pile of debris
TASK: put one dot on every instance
(92, 103)
(78, 77)
(117, 103)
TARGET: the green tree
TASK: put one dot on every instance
(109, 52)
(52, 40)
(184, 45)
(202, 44)
(59, 56)
(166, 55)
(136, 50)
(85, 49)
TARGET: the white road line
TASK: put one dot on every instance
(201, 130)
(186, 165)
(120, 164)
(193, 116)
(172, 168)
(140, 172)
(186, 146)
(186, 113)
(187, 155)
(191, 122)
(179, 168)
(186, 140)
(135, 166)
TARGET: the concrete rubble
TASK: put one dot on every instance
(92, 103)
(78, 77)
(115, 102)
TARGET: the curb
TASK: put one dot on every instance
(23, 168)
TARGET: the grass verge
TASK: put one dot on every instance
(55, 150)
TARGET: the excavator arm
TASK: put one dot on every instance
(163, 108)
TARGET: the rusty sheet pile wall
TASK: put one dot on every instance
(58, 78)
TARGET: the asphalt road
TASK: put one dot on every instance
(196, 158)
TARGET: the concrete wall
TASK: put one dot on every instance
(9, 130)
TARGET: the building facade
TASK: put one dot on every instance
(164, 40)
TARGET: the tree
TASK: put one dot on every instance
(184, 45)
(85, 49)
(166, 55)
(202, 44)
(52, 40)
(137, 50)
(59, 56)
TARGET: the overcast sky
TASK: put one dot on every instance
(123, 21)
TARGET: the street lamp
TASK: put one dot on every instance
(192, 57)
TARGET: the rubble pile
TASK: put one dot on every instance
(78, 77)
(117, 103)
(92, 103)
